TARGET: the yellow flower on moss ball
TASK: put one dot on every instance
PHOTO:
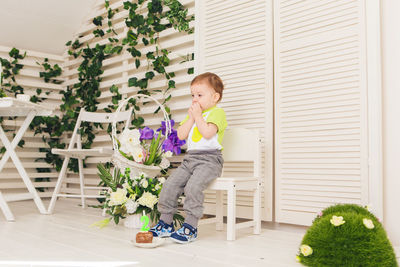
(306, 250)
(337, 220)
(368, 223)
(298, 259)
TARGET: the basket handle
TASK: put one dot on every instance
(123, 103)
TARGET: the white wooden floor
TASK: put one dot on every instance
(66, 239)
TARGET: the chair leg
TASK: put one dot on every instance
(257, 210)
(6, 210)
(231, 218)
(219, 213)
(57, 189)
(81, 182)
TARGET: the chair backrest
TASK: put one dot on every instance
(98, 117)
(104, 117)
(243, 145)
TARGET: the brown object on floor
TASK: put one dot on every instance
(144, 237)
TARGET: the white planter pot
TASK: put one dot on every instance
(133, 221)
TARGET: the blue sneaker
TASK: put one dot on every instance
(162, 229)
(185, 234)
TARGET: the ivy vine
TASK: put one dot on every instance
(142, 29)
(10, 70)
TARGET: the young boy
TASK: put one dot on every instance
(204, 128)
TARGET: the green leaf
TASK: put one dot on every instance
(149, 75)
(150, 55)
(145, 41)
(98, 21)
(132, 82)
(171, 84)
(137, 122)
(108, 49)
(114, 89)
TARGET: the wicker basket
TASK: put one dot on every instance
(120, 161)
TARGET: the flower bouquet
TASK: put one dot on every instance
(134, 150)
(146, 151)
(129, 195)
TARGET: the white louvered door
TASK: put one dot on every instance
(321, 106)
(234, 40)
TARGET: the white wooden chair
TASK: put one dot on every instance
(240, 145)
(80, 154)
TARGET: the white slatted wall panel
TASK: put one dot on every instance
(320, 100)
(118, 69)
(234, 40)
(29, 79)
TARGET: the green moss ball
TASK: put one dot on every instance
(348, 244)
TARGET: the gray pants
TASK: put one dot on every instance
(198, 169)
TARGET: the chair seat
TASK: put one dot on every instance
(83, 153)
(241, 183)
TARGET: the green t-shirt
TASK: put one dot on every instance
(196, 141)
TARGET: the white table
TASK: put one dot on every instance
(11, 107)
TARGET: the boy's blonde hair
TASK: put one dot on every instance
(213, 80)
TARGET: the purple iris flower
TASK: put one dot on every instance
(163, 127)
(173, 143)
(146, 133)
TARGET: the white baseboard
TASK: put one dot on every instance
(397, 251)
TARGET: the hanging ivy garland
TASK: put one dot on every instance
(141, 30)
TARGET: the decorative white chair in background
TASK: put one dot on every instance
(240, 145)
(80, 153)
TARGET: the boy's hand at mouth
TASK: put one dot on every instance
(195, 109)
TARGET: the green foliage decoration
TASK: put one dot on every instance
(11, 68)
(141, 30)
(346, 235)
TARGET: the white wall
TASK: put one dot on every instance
(41, 25)
(391, 116)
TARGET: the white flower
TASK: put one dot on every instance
(168, 154)
(125, 185)
(144, 183)
(369, 207)
(137, 153)
(130, 137)
(134, 183)
(148, 200)
(126, 149)
(131, 206)
(306, 250)
(337, 220)
(368, 223)
(118, 197)
(157, 187)
(164, 163)
(161, 180)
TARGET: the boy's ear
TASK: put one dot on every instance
(217, 97)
